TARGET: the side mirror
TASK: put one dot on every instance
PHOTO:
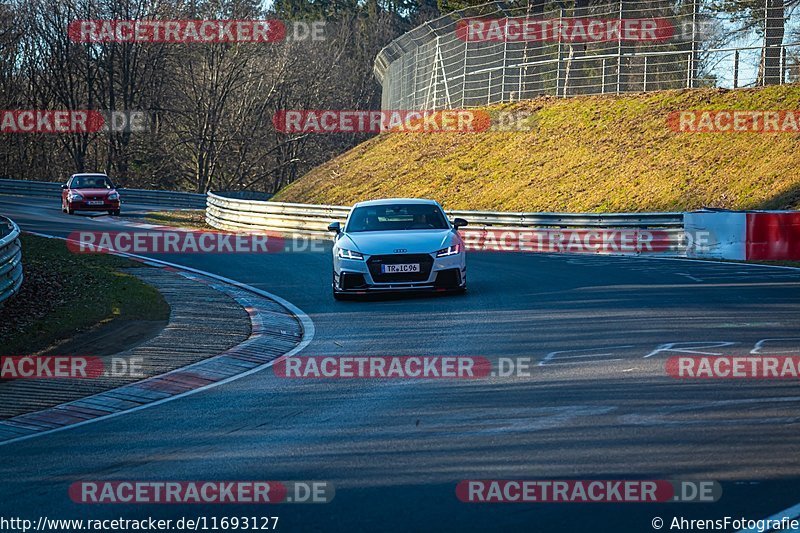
(335, 227)
(460, 223)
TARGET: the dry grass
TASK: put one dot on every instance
(184, 218)
(587, 154)
(64, 294)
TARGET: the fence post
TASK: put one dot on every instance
(645, 73)
(736, 69)
(505, 62)
(783, 65)
(603, 80)
(764, 47)
(560, 58)
(619, 52)
(414, 90)
(692, 65)
(464, 75)
(433, 85)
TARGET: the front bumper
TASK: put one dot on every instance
(361, 277)
(83, 205)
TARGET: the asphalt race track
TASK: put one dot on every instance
(597, 405)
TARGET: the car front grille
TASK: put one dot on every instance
(425, 262)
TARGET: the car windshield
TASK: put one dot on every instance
(91, 182)
(393, 217)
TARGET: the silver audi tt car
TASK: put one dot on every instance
(398, 245)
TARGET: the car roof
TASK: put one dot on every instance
(389, 201)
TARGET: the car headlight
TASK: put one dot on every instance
(450, 250)
(349, 254)
(74, 196)
(113, 196)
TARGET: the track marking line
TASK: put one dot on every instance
(760, 344)
(710, 262)
(791, 512)
(549, 358)
(690, 277)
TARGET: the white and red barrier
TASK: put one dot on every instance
(751, 236)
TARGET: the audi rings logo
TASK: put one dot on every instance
(400, 250)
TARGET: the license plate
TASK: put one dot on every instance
(400, 269)
(95, 202)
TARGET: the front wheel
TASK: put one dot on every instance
(114, 212)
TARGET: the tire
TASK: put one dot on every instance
(114, 212)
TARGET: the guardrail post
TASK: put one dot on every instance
(10, 260)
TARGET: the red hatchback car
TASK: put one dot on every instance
(89, 192)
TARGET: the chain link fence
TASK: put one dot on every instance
(496, 53)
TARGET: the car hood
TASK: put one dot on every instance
(386, 242)
(102, 193)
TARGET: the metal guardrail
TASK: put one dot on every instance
(232, 214)
(135, 196)
(10, 259)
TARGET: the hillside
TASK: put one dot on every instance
(586, 154)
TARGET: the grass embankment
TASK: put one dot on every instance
(585, 154)
(185, 219)
(65, 294)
